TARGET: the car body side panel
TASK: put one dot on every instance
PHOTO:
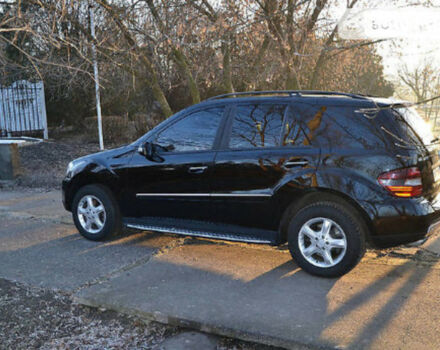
(169, 188)
(245, 183)
(108, 168)
(354, 173)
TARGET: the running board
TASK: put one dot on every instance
(259, 236)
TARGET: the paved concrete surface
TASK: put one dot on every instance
(189, 341)
(390, 300)
(39, 204)
(39, 245)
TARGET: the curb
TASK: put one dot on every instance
(203, 327)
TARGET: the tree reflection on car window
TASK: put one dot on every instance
(333, 127)
(195, 132)
(257, 125)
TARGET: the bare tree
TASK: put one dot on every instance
(423, 82)
(182, 51)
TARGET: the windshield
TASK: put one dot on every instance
(417, 123)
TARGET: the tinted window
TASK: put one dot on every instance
(196, 132)
(294, 134)
(257, 125)
(341, 127)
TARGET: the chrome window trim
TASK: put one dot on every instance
(203, 195)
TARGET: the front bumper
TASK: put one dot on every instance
(65, 195)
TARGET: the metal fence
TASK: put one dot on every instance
(23, 109)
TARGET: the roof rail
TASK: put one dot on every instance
(288, 93)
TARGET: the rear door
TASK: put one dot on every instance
(253, 162)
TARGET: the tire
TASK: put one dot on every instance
(86, 214)
(344, 227)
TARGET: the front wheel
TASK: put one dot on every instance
(326, 239)
(96, 213)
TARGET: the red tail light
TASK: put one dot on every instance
(405, 182)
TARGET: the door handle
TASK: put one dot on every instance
(197, 169)
(295, 163)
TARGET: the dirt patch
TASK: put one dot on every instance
(34, 318)
(44, 164)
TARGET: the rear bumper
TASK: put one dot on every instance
(401, 221)
(386, 241)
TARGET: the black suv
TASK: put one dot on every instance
(325, 172)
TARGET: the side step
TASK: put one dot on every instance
(202, 229)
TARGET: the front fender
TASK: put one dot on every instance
(92, 173)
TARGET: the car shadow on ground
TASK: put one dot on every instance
(258, 291)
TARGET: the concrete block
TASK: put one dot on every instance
(9, 161)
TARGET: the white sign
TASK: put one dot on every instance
(23, 108)
(390, 23)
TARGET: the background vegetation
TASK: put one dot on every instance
(159, 56)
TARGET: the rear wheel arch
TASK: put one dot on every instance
(319, 195)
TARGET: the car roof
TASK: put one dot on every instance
(333, 100)
(326, 98)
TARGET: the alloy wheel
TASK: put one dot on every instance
(91, 214)
(322, 242)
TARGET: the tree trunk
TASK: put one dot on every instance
(227, 71)
(178, 56)
(154, 81)
(292, 82)
(322, 56)
(183, 65)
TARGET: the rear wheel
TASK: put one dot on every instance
(96, 213)
(326, 239)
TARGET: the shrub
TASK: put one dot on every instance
(115, 129)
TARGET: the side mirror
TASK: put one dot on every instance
(148, 150)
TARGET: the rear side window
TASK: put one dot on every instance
(338, 127)
(294, 129)
(257, 125)
(412, 128)
(195, 132)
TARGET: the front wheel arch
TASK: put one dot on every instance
(89, 178)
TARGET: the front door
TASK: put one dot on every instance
(249, 166)
(177, 183)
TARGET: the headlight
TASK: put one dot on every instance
(69, 168)
(72, 166)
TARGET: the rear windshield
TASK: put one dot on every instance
(413, 128)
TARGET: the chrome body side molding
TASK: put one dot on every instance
(254, 195)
